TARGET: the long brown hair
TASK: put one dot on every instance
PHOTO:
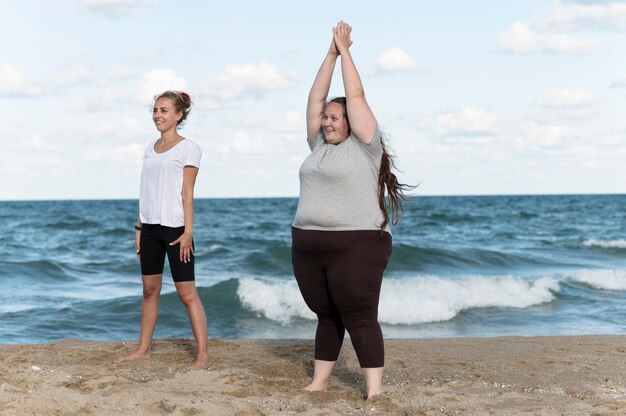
(391, 193)
(387, 180)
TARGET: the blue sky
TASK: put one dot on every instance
(485, 97)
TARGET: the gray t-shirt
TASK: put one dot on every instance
(339, 186)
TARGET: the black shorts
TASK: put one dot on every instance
(154, 243)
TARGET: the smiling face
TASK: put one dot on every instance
(164, 115)
(335, 124)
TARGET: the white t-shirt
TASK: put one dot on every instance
(160, 192)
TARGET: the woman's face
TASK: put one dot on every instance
(164, 115)
(335, 126)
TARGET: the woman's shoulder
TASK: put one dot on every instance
(375, 137)
(150, 146)
(189, 144)
(374, 148)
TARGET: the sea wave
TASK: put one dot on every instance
(605, 243)
(413, 258)
(40, 270)
(215, 248)
(16, 307)
(603, 279)
(256, 305)
(434, 299)
(278, 301)
(407, 301)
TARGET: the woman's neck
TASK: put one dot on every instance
(170, 136)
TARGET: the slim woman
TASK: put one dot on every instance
(340, 237)
(165, 222)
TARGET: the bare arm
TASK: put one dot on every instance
(189, 181)
(319, 92)
(362, 121)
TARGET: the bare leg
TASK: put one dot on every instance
(149, 316)
(321, 375)
(189, 296)
(373, 381)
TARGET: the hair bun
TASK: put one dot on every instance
(182, 103)
(185, 97)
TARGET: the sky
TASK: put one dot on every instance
(482, 97)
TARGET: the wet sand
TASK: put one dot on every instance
(584, 375)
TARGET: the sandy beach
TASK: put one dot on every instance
(583, 375)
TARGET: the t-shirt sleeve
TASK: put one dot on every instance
(375, 147)
(148, 149)
(192, 155)
(313, 143)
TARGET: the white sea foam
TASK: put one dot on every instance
(433, 299)
(16, 307)
(407, 301)
(605, 279)
(278, 301)
(215, 247)
(605, 243)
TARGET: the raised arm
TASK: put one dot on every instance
(319, 92)
(362, 120)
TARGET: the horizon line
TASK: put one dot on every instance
(296, 197)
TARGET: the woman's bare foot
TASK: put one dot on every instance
(200, 364)
(321, 375)
(373, 381)
(137, 355)
(372, 394)
(316, 386)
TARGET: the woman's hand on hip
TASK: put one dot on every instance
(137, 245)
(186, 247)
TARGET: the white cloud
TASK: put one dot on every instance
(103, 98)
(575, 16)
(24, 142)
(549, 31)
(157, 81)
(242, 144)
(537, 136)
(120, 72)
(125, 128)
(468, 122)
(293, 122)
(396, 60)
(114, 8)
(128, 155)
(521, 38)
(619, 82)
(247, 80)
(141, 92)
(71, 77)
(615, 139)
(13, 83)
(566, 98)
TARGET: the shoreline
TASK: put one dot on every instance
(445, 376)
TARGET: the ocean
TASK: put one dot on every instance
(466, 266)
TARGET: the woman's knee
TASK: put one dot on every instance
(151, 288)
(361, 322)
(187, 295)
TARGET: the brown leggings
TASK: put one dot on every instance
(339, 274)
